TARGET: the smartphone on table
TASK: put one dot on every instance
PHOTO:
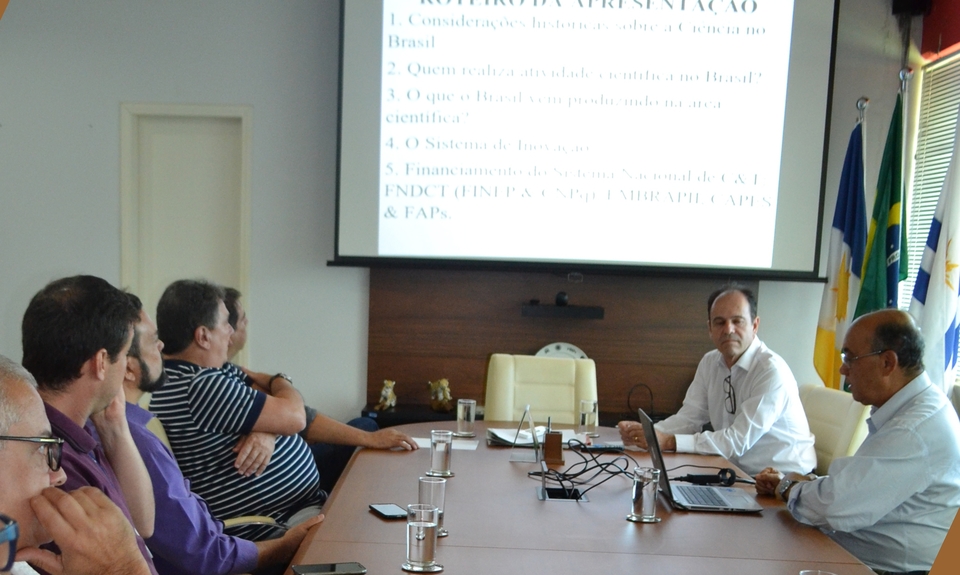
(389, 510)
(352, 568)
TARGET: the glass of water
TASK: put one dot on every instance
(466, 413)
(588, 418)
(441, 446)
(421, 539)
(643, 508)
(432, 492)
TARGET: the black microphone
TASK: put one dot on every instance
(725, 477)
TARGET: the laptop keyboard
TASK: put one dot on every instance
(699, 495)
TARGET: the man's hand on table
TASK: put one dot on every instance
(631, 432)
(390, 438)
(767, 481)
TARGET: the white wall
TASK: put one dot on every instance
(867, 64)
(66, 66)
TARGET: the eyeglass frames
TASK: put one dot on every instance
(52, 445)
(730, 401)
(848, 359)
(8, 533)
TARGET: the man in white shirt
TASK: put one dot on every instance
(94, 536)
(893, 501)
(747, 394)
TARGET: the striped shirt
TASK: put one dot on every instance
(205, 412)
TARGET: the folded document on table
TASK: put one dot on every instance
(524, 438)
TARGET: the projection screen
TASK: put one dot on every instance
(676, 134)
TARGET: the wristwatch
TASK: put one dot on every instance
(280, 375)
(783, 488)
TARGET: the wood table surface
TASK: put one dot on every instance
(498, 525)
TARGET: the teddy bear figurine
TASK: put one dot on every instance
(388, 398)
(440, 398)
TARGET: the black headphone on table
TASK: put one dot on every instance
(725, 477)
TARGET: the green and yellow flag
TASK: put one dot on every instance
(887, 235)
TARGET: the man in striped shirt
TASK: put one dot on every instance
(191, 540)
(236, 442)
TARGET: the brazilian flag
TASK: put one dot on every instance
(887, 237)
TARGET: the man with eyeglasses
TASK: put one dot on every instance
(893, 501)
(93, 534)
(76, 332)
(745, 391)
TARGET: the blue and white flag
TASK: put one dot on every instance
(937, 291)
(848, 240)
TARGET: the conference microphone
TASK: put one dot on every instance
(725, 477)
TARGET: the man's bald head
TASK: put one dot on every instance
(884, 352)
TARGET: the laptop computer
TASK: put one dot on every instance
(695, 497)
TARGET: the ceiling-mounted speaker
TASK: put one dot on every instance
(911, 7)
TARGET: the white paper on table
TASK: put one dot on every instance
(422, 442)
(524, 438)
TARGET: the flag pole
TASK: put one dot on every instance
(848, 235)
(906, 74)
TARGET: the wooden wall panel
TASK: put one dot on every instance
(428, 324)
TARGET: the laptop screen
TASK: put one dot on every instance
(653, 446)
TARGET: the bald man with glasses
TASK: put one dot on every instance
(93, 534)
(892, 502)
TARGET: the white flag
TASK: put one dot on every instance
(936, 293)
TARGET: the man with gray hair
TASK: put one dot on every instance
(893, 501)
(93, 535)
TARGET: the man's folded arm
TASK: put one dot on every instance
(282, 411)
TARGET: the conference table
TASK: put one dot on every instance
(497, 524)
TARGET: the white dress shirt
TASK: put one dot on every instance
(768, 427)
(893, 501)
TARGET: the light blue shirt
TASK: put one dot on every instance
(892, 502)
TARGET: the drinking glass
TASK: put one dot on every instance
(466, 413)
(643, 508)
(421, 539)
(588, 418)
(432, 492)
(441, 446)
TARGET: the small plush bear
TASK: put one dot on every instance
(388, 399)
(440, 398)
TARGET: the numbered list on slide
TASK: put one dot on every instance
(596, 123)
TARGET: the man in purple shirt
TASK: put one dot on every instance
(76, 334)
(190, 540)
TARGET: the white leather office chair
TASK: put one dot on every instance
(553, 387)
(838, 423)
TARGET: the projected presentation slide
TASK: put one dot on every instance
(640, 131)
